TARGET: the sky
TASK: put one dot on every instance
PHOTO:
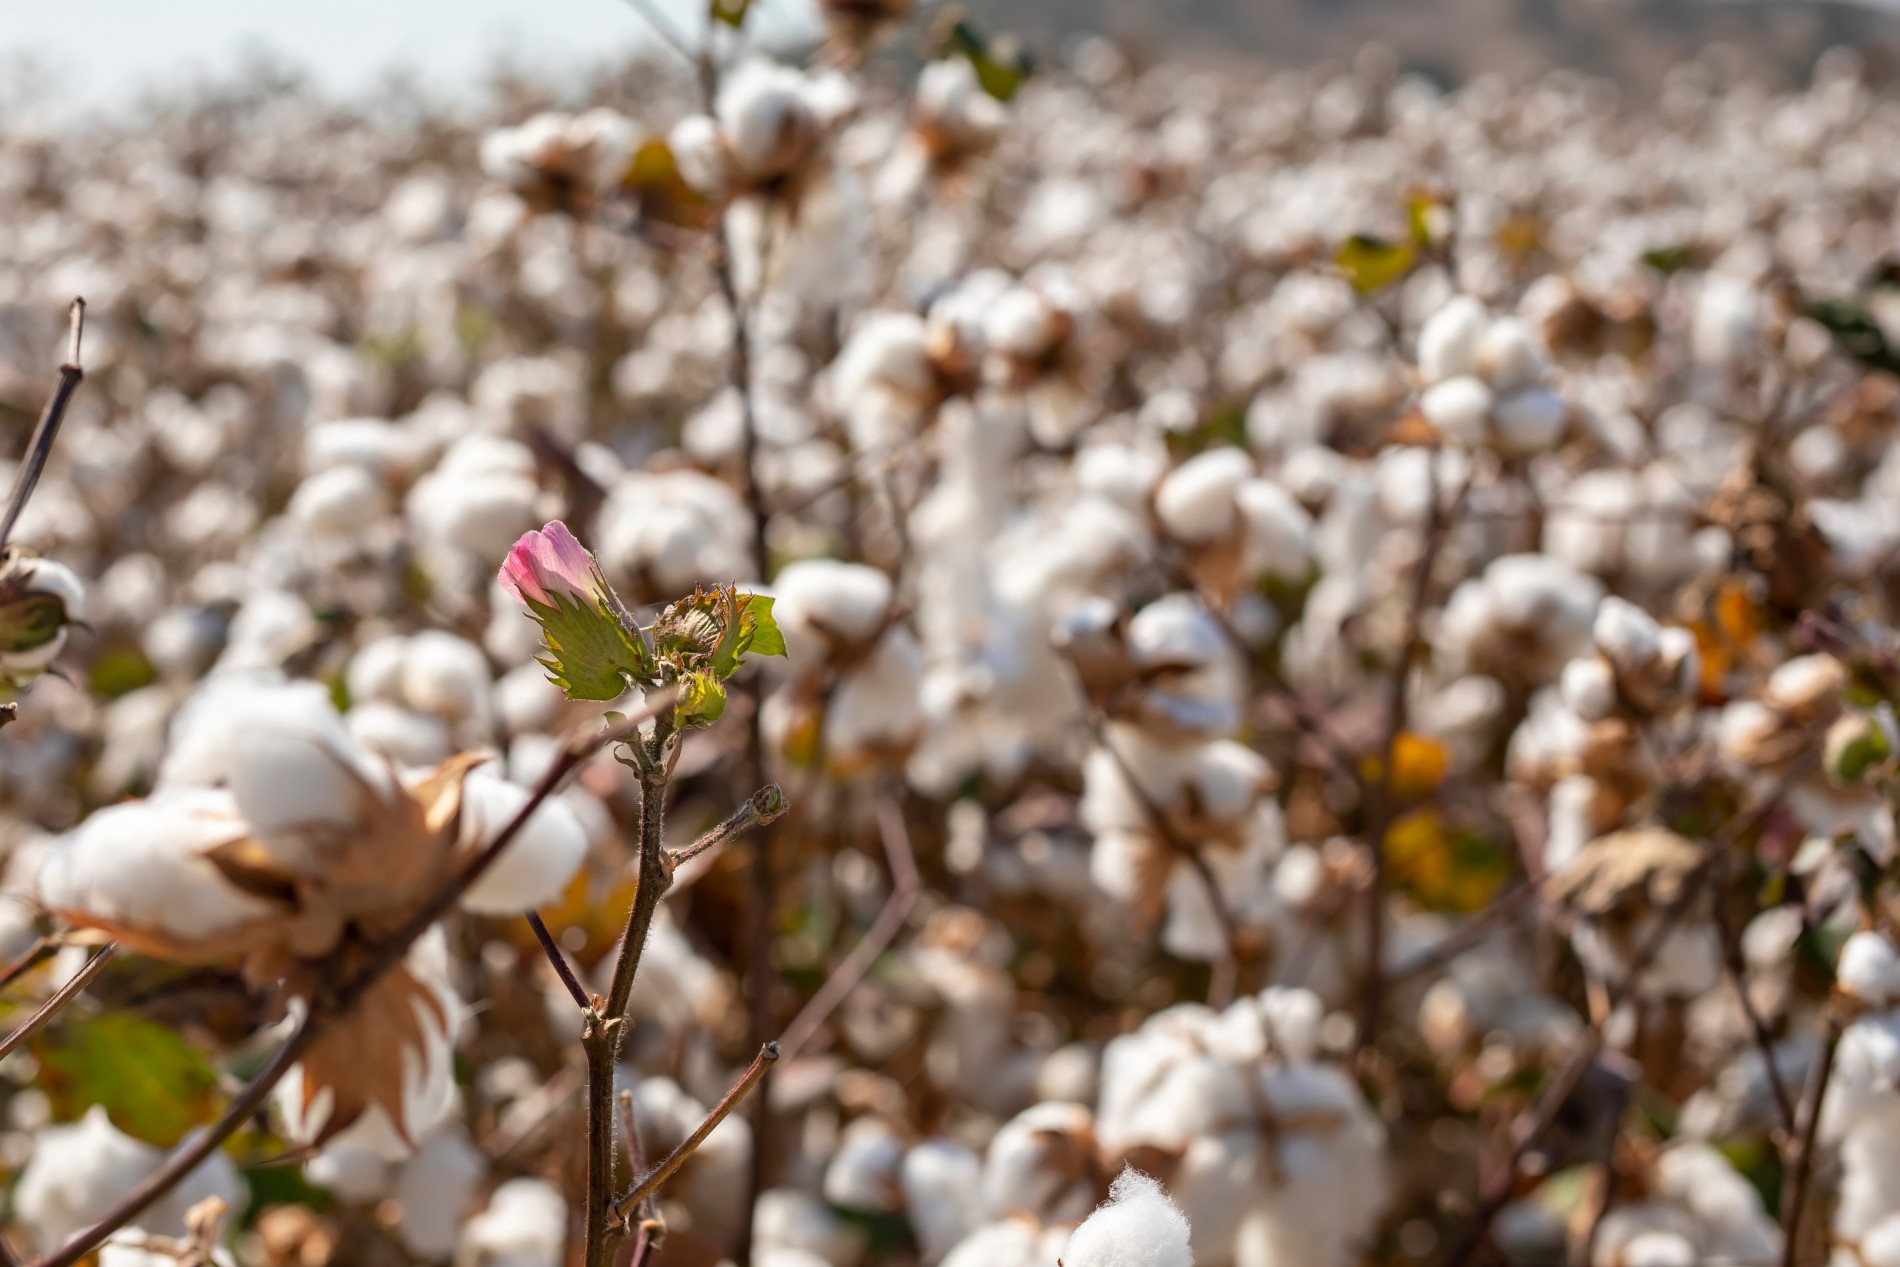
(103, 52)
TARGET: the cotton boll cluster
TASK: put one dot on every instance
(562, 162)
(1139, 1227)
(1485, 381)
(767, 128)
(78, 1172)
(1698, 1209)
(523, 1225)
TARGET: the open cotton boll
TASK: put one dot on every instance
(1528, 422)
(940, 1179)
(375, 671)
(1448, 343)
(435, 1190)
(768, 122)
(1279, 531)
(538, 862)
(828, 597)
(1195, 502)
(1510, 357)
(78, 1172)
(350, 1170)
(787, 1219)
(1459, 408)
(446, 675)
(1140, 1226)
(525, 1225)
(1869, 969)
(400, 734)
(863, 1173)
(131, 1247)
(139, 866)
(1881, 1246)
(1027, 1167)
(298, 776)
(1588, 687)
(1009, 1242)
(342, 502)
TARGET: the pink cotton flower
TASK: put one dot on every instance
(549, 563)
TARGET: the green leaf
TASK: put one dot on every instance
(731, 12)
(119, 671)
(591, 653)
(1669, 259)
(152, 1083)
(702, 701)
(1371, 263)
(1000, 66)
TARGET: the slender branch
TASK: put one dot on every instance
(40, 951)
(1794, 1195)
(558, 958)
(1737, 974)
(60, 998)
(47, 429)
(647, 1229)
(1467, 936)
(1625, 1074)
(765, 805)
(651, 1181)
(188, 1158)
(905, 886)
(1383, 807)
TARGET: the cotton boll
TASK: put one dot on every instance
(139, 867)
(786, 1219)
(375, 672)
(1589, 688)
(78, 1172)
(436, 1188)
(1510, 357)
(767, 122)
(1448, 344)
(270, 628)
(863, 1173)
(297, 775)
(1031, 1165)
(1011, 1242)
(447, 676)
(1279, 531)
(848, 602)
(1660, 1249)
(525, 1225)
(1806, 687)
(405, 737)
(1459, 408)
(128, 1247)
(1626, 634)
(351, 1171)
(1138, 1227)
(1196, 501)
(940, 1180)
(1869, 969)
(1529, 422)
(537, 864)
(677, 528)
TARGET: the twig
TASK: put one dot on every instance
(765, 805)
(645, 1238)
(650, 1182)
(47, 429)
(1467, 936)
(905, 886)
(60, 998)
(1794, 1196)
(1383, 805)
(40, 951)
(1625, 1074)
(558, 958)
(1737, 974)
(187, 1159)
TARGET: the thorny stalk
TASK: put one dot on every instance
(60, 998)
(905, 886)
(1794, 1195)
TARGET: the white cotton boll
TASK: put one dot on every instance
(1010, 1242)
(127, 1248)
(940, 1180)
(1626, 634)
(524, 700)
(1869, 969)
(78, 1172)
(1020, 323)
(435, 1191)
(400, 734)
(1881, 1246)
(1448, 343)
(1659, 1249)
(863, 1173)
(1195, 502)
(765, 118)
(787, 1219)
(298, 776)
(1510, 357)
(139, 865)
(375, 671)
(887, 349)
(1228, 778)
(1119, 473)
(1803, 683)
(700, 153)
(1459, 408)
(846, 601)
(446, 675)
(525, 1225)
(1589, 688)
(351, 1171)
(537, 864)
(1140, 1226)
(1021, 1170)
(675, 528)
(876, 705)
(1528, 422)
(343, 501)
(1279, 531)
(270, 628)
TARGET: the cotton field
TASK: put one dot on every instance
(897, 657)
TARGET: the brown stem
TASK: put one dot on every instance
(558, 958)
(1794, 1196)
(765, 805)
(40, 446)
(60, 998)
(1467, 936)
(187, 1159)
(1625, 1074)
(42, 950)
(1737, 974)
(905, 886)
(651, 1181)
(1383, 805)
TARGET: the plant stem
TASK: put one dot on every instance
(1794, 1197)
(60, 998)
(765, 805)
(47, 429)
(562, 968)
(42, 950)
(651, 1181)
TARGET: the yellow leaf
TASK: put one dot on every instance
(1372, 263)
(1418, 765)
